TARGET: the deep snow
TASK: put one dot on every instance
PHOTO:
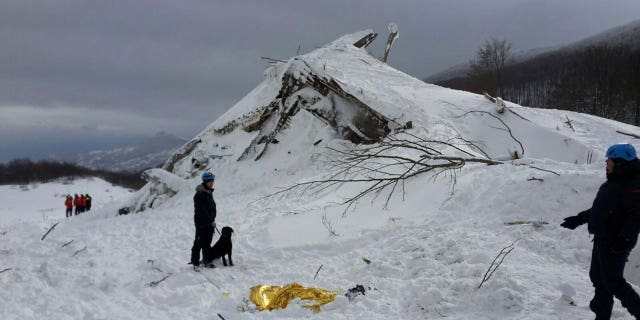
(428, 251)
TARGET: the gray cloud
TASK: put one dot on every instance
(144, 66)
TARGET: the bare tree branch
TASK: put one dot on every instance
(327, 224)
(474, 145)
(7, 269)
(518, 115)
(628, 134)
(83, 249)
(66, 244)
(317, 272)
(507, 128)
(533, 167)
(495, 264)
(537, 224)
(569, 123)
(384, 167)
(50, 229)
(155, 283)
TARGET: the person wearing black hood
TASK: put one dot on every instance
(614, 221)
(204, 219)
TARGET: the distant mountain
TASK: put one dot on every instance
(152, 152)
(628, 35)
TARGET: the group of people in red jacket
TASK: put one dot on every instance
(82, 203)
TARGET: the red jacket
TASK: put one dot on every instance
(76, 201)
(68, 203)
(81, 201)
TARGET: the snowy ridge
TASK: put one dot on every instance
(428, 249)
(149, 153)
(628, 34)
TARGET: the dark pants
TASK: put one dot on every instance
(204, 235)
(69, 212)
(606, 274)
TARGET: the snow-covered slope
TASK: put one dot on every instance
(428, 249)
(44, 202)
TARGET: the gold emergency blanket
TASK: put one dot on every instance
(275, 297)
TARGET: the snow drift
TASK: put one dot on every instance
(421, 256)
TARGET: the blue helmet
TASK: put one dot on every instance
(208, 176)
(622, 151)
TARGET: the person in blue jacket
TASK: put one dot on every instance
(204, 219)
(614, 221)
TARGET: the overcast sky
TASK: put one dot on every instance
(81, 75)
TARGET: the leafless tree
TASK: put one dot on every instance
(384, 166)
(490, 62)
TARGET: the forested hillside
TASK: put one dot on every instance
(599, 75)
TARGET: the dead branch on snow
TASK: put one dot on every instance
(534, 167)
(537, 224)
(628, 134)
(495, 264)
(317, 272)
(506, 127)
(385, 166)
(569, 123)
(327, 224)
(155, 283)
(50, 229)
(83, 249)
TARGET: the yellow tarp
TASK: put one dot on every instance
(275, 297)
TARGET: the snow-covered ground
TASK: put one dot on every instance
(44, 202)
(428, 250)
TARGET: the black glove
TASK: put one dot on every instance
(572, 222)
(621, 245)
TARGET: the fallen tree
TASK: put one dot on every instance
(387, 165)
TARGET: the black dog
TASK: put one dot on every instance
(222, 247)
